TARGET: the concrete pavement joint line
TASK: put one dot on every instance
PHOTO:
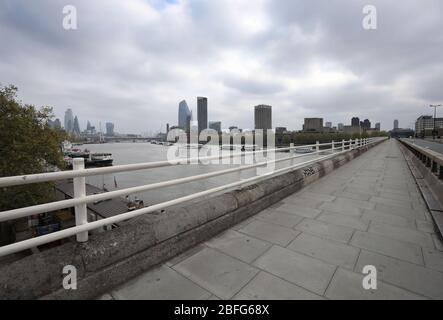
(250, 280)
(352, 236)
(356, 260)
(294, 238)
(253, 261)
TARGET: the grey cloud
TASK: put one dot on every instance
(132, 62)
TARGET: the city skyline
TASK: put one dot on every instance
(261, 119)
(289, 60)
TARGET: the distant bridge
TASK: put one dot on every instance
(114, 139)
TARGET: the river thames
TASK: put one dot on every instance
(129, 153)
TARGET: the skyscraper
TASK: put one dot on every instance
(202, 113)
(355, 122)
(69, 121)
(366, 124)
(76, 127)
(377, 126)
(263, 117)
(313, 125)
(395, 124)
(328, 125)
(184, 116)
(340, 126)
(109, 129)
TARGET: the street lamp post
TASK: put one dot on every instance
(435, 116)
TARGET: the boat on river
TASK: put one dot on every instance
(91, 159)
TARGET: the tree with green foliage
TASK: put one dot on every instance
(27, 145)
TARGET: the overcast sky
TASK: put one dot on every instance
(131, 62)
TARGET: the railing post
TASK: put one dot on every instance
(343, 145)
(434, 166)
(357, 143)
(317, 147)
(332, 146)
(81, 216)
(292, 152)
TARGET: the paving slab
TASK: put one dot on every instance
(409, 276)
(403, 192)
(332, 252)
(352, 195)
(348, 285)
(317, 196)
(325, 230)
(266, 286)
(299, 210)
(239, 245)
(344, 220)
(408, 213)
(185, 255)
(388, 246)
(158, 284)
(216, 272)
(362, 204)
(344, 208)
(355, 189)
(420, 238)
(395, 196)
(433, 259)
(391, 202)
(303, 202)
(390, 219)
(270, 232)
(299, 269)
(279, 218)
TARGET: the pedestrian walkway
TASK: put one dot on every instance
(315, 243)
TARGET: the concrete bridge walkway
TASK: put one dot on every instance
(315, 243)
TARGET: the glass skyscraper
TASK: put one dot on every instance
(184, 116)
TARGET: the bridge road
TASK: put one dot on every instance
(435, 146)
(315, 243)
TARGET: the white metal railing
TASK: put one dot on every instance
(81, 200)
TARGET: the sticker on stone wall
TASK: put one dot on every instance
(308, 172)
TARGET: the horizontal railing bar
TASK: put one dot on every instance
(52, 206)
(61, 175)
(34, 242)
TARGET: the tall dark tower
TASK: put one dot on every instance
(263, 117)
(202, 113)
(355, 122)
